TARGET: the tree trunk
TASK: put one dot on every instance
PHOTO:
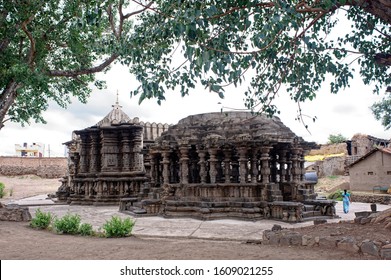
(7, 98)
(378, 8)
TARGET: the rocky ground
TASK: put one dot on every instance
(19, 241)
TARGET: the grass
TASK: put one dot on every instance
(2, 190)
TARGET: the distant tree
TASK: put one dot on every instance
(382, 110)
(335, 139)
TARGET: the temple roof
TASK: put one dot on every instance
(231, 126)
(116, 116)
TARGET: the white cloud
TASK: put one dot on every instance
(346, 113)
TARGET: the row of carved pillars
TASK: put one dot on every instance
(265, 164)
(110, 151)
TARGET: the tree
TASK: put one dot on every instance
(276, 46)
(335, 139)
(50, 50)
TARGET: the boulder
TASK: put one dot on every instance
(307, 240)
(14, 213)
(385, 252)
(370, 248)
(348, 244)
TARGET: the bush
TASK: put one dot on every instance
(86, 229)
(68, 224)
(2, 192)
(41, 220)
(117, 227)
(337, 195)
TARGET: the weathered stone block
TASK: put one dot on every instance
(365, 220)
(285, 240)
(327, 242)
(320, 221)
(307, 240)
(274, 239)
(15, 213)
(369, 247)
(276, 228)
(296, 239)
(385, 252)
(348, 244)
(266, 234)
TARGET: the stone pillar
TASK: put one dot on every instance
(138, 160)
(265, 168)
(295, 165)
(202, 163)
(153, 168)
(282, 162)
(288, 171)
(94, 153)
(254, 166)
(184, 161)
(212, 165)
(243, 164)
(273, 168)
(166, 166)
(125, 151)
(84, 153)
(227, 164)
(301, 165)
(109, 151)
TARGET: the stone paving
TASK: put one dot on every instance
(153, 226)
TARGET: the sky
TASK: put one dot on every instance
(347, 113)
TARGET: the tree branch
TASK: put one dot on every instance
(87, 71)
(145, 7)
(33, 50)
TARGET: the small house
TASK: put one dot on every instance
(371, 170)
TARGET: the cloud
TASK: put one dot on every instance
(346, 113)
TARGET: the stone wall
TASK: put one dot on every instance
(379, 249)
(329, 166)
(55, 167)
(371, 198)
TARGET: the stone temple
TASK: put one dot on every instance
(212, 165)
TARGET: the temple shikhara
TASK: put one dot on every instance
(212, 165)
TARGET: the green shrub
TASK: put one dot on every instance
(86, 229)
(2, 191)
(117, 227)
(41, 220)
(337, 195)
(68, 224)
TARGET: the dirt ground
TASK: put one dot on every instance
(19, 241)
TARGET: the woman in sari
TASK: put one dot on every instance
(346, 201)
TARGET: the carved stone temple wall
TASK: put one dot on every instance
(106, 161)
(231, 164)
(213, 165)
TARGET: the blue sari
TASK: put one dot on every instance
(346, 202)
